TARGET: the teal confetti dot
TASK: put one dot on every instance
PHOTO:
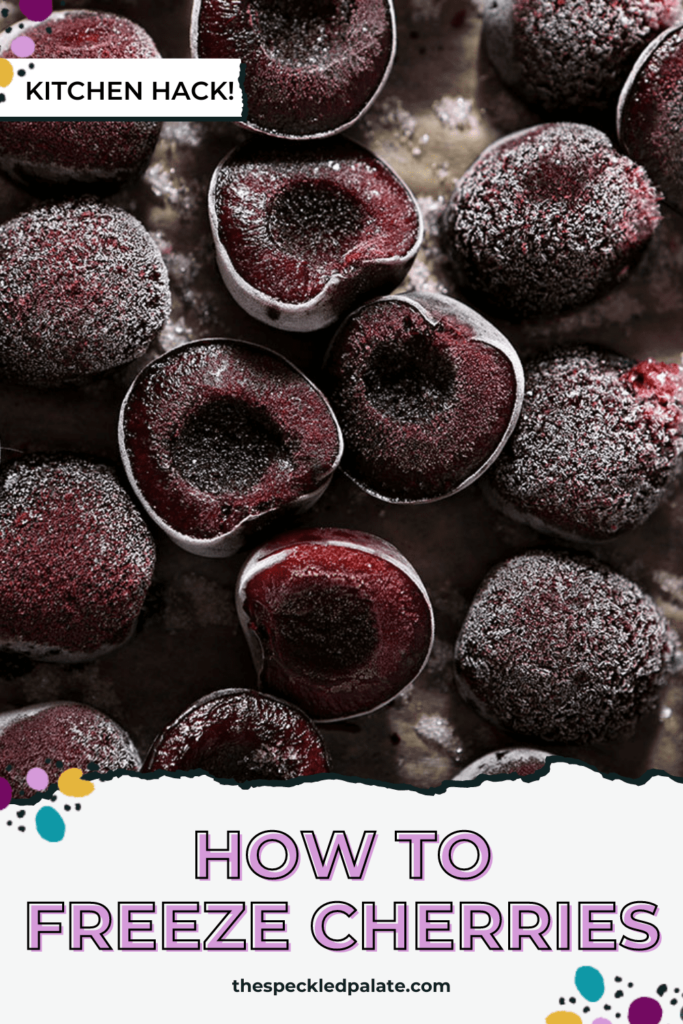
(50, 824)
(590, 983)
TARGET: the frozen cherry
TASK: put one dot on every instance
(337, 621)
(548, 218)
(303, 233)
(58, 736)
(517, 761)
(96, 154)
(84, 289)
(221, 437)
(562, 648)
(76, 559)
(570, 55)
(311, 67)
(241, 735)
(649, 118)
(598, 444)
(427, 393)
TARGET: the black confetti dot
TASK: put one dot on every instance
(67, 807)
(9, 822)
(22, 828)
(59, 764)
(571, 999)
(78, 807)
(607, 1006)
(21, 72)
(561, 1001)
(5, 12)
(53, 798)
(31, 66)
(618, 994)
(617, 979)
(2, 97)
(630, 984)
(20, 814)
(49, 31)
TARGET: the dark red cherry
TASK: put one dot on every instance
(548, 219)
(84, 289)
(76, 559)
(427, 392)
(304, 232)
(570, 56)
(517, 761)
(598, 444)
(337, 621)
(241, 735)
(562, 648)
(649, 118)
(311, 67)
(99, 155)
(221, 437)
(58, 736)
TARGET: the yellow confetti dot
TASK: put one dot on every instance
(6, 72)
(563, 1017)
(70, 783)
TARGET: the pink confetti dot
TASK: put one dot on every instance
(37, 779)
(23, 46)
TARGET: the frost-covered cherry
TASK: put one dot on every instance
(219, 438)
(426, 391)
(84, 289)
(598, 444)
(337, 621)
(59, 736)
(311, 67)
(98, 155)
(571, 55)
(304, 232)
(547, 219)
(513, 761)
(649, 115)
(562, 648)
(242, 735)
(76, 559)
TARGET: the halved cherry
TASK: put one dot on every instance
(221, 437)
(427, 393)
(311, 67)
(241, 735)
(338, 621)
(303, 233)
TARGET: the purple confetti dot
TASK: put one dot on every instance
(38, 779)
(644, 1011)
(36, 10)
(5, 793)
(23, 47)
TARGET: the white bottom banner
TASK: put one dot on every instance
(508, 901)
